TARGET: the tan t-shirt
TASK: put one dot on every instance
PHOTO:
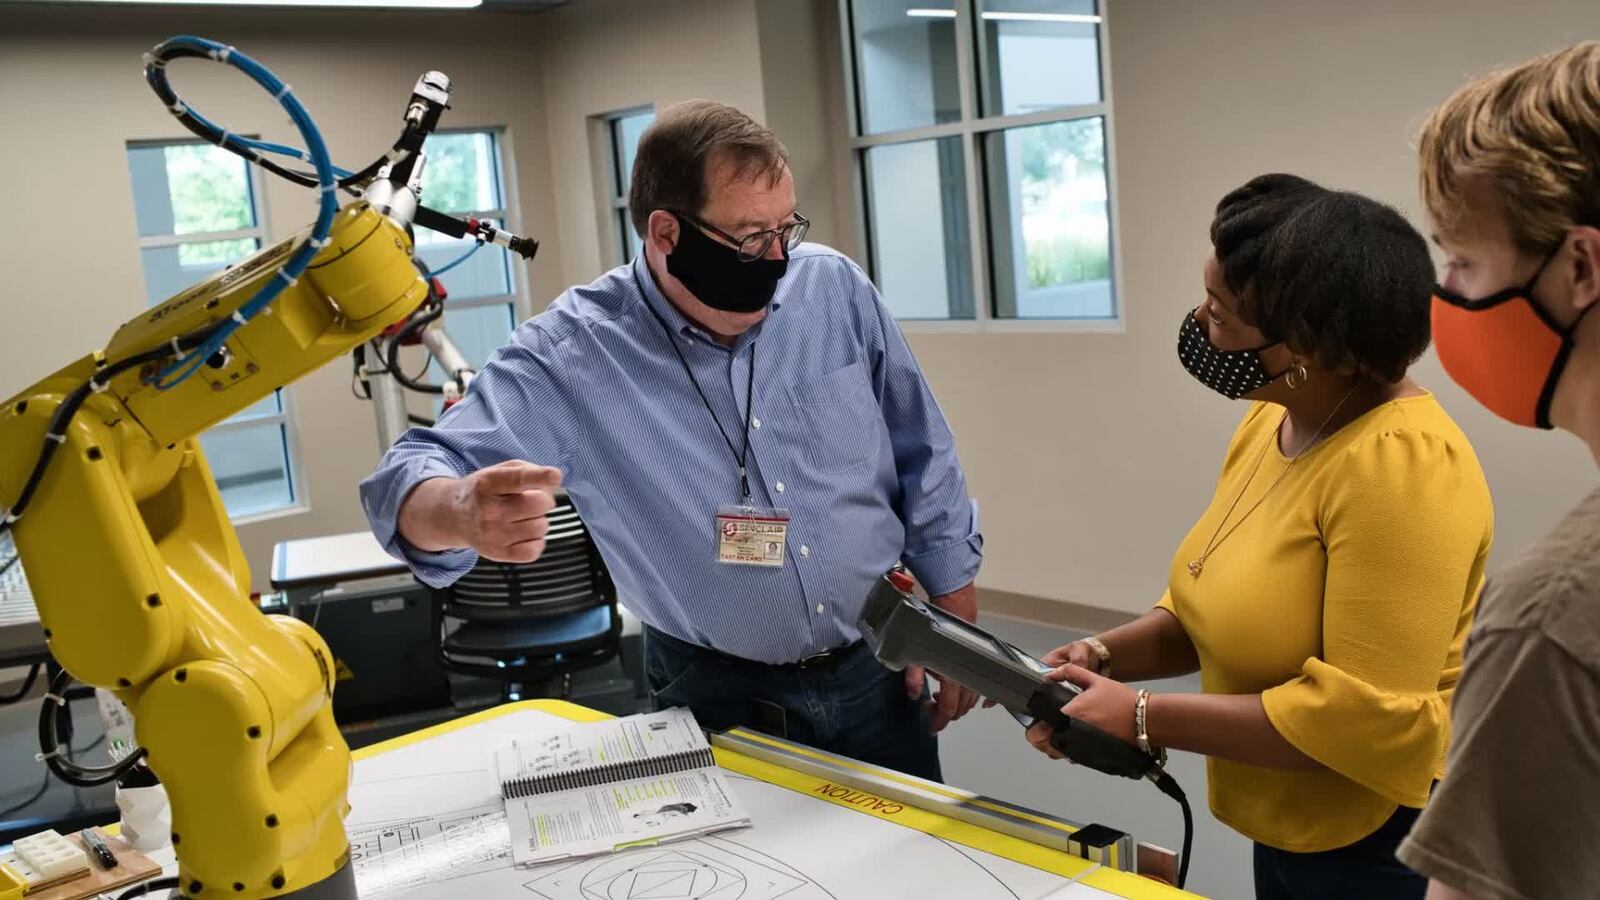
(1518, 813)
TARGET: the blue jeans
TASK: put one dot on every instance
(850, 705)
(1367, 869)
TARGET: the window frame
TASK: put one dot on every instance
(508, 216)
(619, 223)
(972, 128)
(284, 417)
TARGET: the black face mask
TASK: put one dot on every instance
(1231, 373)
(714, 273)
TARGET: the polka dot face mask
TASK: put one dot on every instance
(1231, 373)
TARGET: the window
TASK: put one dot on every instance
(982, 139)
(622, 142)
(464, 176)
(197, 210)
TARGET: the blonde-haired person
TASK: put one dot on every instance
(1511, 182)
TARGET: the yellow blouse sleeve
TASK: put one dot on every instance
(1402, 520)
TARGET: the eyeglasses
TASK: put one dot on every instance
(754, 246)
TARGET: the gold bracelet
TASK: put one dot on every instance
(1141, 734)
(1104, 666)
(1143, 731)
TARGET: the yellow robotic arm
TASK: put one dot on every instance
(141, 584)
(138, 575)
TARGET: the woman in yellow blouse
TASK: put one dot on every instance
(1325, 594)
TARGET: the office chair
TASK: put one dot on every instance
(534, 622)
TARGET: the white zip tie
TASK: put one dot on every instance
(239, 317)
(177, 351)
(10, 517)
(395, 154)
(221, 55)
(287, 281)
(225, 135)
(320, 242)
(178, 109)
(287, 90)
(265, 311)
(41, 757)
(60, 701)
(97, 387)
(151, 60)
(330, 188)
(58, 438)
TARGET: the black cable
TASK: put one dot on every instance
(155, 73)
(424, 421)
(408, 144)
(27, 684)
(56, 431)
(69, 407)
(388, 354)
(1169, 786)
(392, 353)
(50, 744)
(6, 566)
(427, 360)
(169, 883)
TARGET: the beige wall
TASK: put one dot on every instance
(71, 86)
(1091, 453)
(601, 56)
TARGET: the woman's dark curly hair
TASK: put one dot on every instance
(1332, 274)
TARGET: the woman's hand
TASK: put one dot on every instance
(1106, 704)
(1076, 653)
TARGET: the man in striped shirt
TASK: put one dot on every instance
(744, 502)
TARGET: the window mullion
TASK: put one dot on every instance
(249, 422)
(967, 77)
(479, 302)
(977, 230)
(911, 135)
(966, 74)
(159, 241)
(852, 74)
(1042, 117)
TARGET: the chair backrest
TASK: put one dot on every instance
(569, 577)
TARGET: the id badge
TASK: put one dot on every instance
(752, 536)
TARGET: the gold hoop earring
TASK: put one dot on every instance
(1295, 377)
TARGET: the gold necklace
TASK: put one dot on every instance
(1198, 564)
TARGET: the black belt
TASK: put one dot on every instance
(826, 657)
(814, 661)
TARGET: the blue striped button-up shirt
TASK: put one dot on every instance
(844, 434)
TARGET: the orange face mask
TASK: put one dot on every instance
(1504, 349)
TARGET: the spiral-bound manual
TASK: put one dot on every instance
(600, 786)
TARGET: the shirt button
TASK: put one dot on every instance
(779, 486)
(804, 550)
(820, 608)
(755, 423)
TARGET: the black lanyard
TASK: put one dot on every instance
(749, 397)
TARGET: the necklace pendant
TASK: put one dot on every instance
(1195, 566)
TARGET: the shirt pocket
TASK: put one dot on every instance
(842, 415)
